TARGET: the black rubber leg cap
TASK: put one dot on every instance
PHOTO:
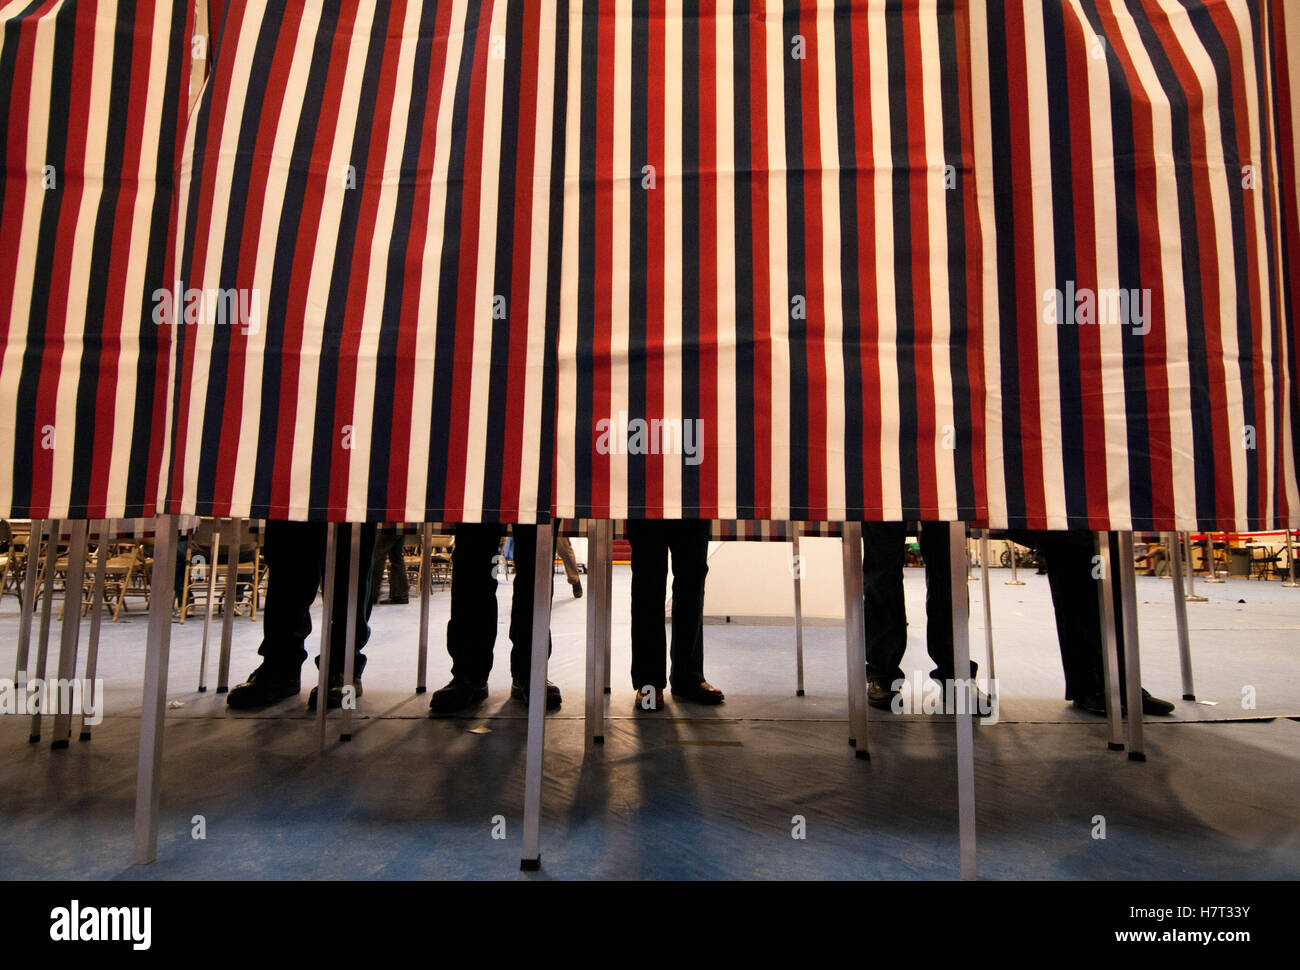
(530, 865)
(798, 693)
(56, 745)
(345, 737)
(1136, 756)
(33, 739)
(85, 736)
(862, 753)
(1114, 746)
(598, 739)
(203, 690)
(606, 690)
(421, 690)
(1189, 697)
(222, 690)
(853, 742)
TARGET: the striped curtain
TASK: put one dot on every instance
(1139, 353)
(365, 274)
(769, 307)
(94, 97)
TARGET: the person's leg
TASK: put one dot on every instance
(342, 564)
(295, 556)
(399, 586)
(472, 629)
(689, 543)
(936, 550)
(649, 585)
(882, 599)
(565, 549)
(383, 542)
(521, 604)
(1078, 614)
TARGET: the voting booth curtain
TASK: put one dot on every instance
(1020, 264)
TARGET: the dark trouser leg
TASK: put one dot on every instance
(343, 563)
(882, 598)
(383, 545)
(521, 604)
(182, 563)
(472, 629)
(688, 541)
(294, 554)
(399, 586)
(1078, 614)
(649, 584)
(936, 550)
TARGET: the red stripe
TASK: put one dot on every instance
(1149, 237)
(463, 353)
(761, 177)
(73, 180)
(654, 322)
(602, 381)
(1027, 299)
(304, 246)
(521, 324)
(817, 452)
(1093, 418)
(869, 326)
(404, 390)
(368, 249)
(129, 192)
(919, 207)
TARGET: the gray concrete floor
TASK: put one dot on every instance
(691, 792)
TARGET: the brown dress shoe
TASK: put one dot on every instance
(701, 693)
(647, 701)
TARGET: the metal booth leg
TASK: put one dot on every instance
(544, 563)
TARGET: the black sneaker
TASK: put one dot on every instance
(520, 693)
(264, 686)
(879, 694)
(334, 698)
(456, 697)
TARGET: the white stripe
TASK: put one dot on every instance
(38, 125)
(567, 396)
(539, 268)
(417, 473)
(941, 361)
(481, 320)
(1040, 161)
(882, 166)
(982, 127)
(91, 168)
(724, 444)
(778, 264)
(832, 277)
(674, 221)
(263, 281)
(208, 276)
(360, 469)
(623, 174)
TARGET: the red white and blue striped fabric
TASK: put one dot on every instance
(1133, 146)
(94, 96)
(768, 212)
(375, 181)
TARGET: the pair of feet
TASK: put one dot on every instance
(1151, 706)
(651, 698)
(462, 695)
(266, 685)
(881, 695)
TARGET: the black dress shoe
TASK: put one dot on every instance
(577, 589)
(701, 693)
(334, 698)
(456, 697)
(394, 601)
(1096, 704)
(520, 693)
(1091, 704)
(264, 687)
(879, 694)
(1155, 705)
